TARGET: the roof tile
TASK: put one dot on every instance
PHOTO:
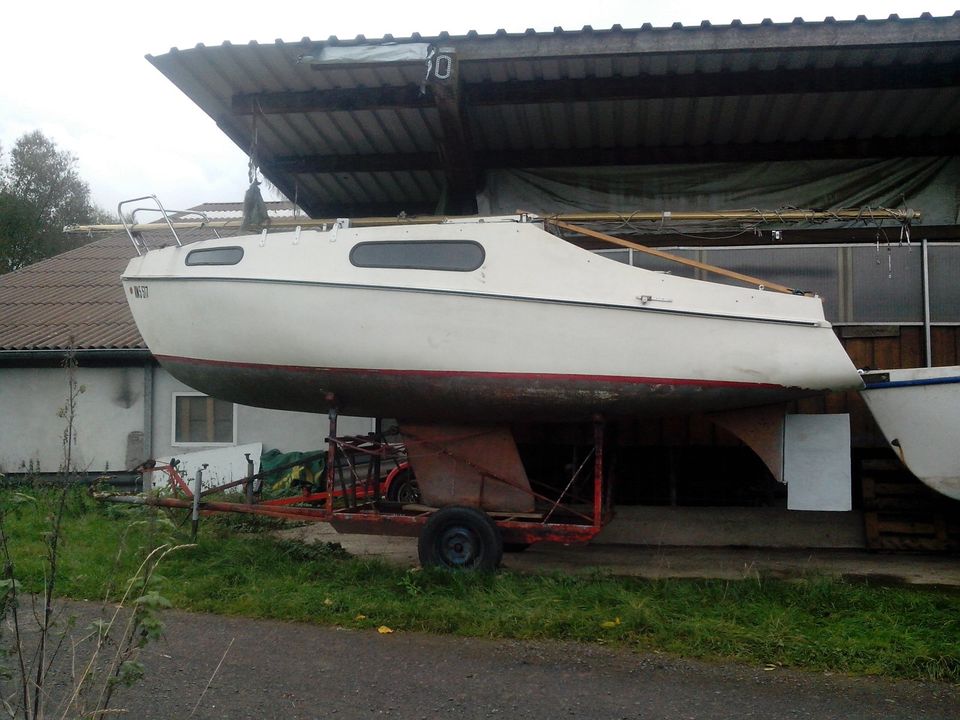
(75, 300)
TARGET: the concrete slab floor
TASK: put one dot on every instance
(666, 561)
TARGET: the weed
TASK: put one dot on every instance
(298, 551)
(243, 522)
(818, 623)
(36, 557)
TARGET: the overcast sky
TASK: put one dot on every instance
(76, 70)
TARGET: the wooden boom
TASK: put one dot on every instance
(749, 280)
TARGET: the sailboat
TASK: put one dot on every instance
(916, 408)
(472, 320)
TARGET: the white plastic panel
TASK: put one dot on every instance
(816, 462)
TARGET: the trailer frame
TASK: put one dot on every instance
(355, 502)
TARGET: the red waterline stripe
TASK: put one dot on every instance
(563, 377)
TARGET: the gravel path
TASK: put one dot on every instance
(289, 670)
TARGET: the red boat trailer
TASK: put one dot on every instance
(355, 500)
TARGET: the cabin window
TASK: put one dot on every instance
(455, 255)
(202, 420)
(215, 256)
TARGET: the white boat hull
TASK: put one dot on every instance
(918, 410)
(295, 326)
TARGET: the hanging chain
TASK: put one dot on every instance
(252, 164)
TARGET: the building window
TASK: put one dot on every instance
(456, 255)
(202, 420)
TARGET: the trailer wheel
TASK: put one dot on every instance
(403, 488)
(460, 538)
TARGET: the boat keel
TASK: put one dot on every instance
(468, 465)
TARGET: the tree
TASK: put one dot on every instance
(19, 241)
(40, 192)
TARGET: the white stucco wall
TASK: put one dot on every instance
(286, 431)
(110, 408)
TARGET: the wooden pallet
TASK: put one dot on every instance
(901, 513)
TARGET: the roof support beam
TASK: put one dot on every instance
(752, 152)
(394, 162)
(456, 147)
(642, 87)
(743, 152)
(716, 84)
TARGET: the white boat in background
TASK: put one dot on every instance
(918, 410)
(474, 320)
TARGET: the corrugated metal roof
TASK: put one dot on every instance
(836, 77)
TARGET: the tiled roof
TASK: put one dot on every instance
(75, 300)
(234, 210)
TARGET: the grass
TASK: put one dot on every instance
(816, 623)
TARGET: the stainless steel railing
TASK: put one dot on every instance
(136, 237)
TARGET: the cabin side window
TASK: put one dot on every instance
(202, 420)
(215, 256)
(454, 255)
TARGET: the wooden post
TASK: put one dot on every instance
(331, 459)
(248, 485)
(374, 491)
(195, 517)
(598, 427)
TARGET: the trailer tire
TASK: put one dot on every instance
(460, 538)
(403, 488)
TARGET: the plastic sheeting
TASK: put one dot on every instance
(351, 55)
(283, 470)
(928, 184)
